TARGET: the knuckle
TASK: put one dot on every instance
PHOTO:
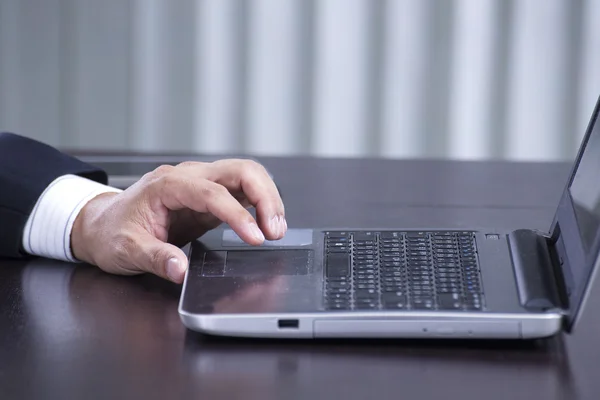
(251, 169)
(212, 191)
(255, 166)
(148, 176)
(239, 167)
(188, 164)
(166, 181)
(163, 170)
(160, 176)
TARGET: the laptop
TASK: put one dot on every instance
(404, 283)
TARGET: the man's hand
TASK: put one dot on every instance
(140, 229)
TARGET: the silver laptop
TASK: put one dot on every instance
(375, 283)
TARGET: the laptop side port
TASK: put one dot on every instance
(288, 323)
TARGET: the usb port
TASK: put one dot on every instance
(288, 324)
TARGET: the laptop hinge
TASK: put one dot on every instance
(536, 265)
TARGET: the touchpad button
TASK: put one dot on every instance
(268, 262)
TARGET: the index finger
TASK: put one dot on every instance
(182, 189)
(259, 188)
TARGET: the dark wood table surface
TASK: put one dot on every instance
(72, 332)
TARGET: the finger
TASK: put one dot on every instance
(241, 198)
(159, 258)
(260, 190)
(180, 191)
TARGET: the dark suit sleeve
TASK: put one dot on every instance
(27, 167)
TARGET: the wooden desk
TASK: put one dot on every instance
(71, 331)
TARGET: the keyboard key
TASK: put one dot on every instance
(446, 242)
(394, 265)
(415, 234)
(449, 301)
(441, 280)
(391, 297)
(418, 245)
(422, 303)
(391, 272)
(337, 234)
(338, 242)
(392, 286)
(338, 265)
(390, 235)
(367, 305)
(337, 284)
(448, 289)
(330, 299)
(368, 252)
(389, 278)
(392, 277)
(364, 236)
(395, 306)
(447, 273)
(423, 270)
(334, 240)
(447, 266)
(366, 282)
(339, 291)
(425, 258)
(392, 254)
(345, 306)
(340, 296)
(366, 272)
(369, 293)
(444, 254)
(338, 250)
(472, 298)
(391, 243)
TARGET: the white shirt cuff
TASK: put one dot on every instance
(48, 229)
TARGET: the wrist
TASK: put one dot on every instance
(85, 235)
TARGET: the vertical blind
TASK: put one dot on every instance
(463, 79)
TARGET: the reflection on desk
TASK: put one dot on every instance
(71, 307)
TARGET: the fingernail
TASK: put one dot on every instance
(256, 232)
(281, 226)
(277, 225)
(274, 225)
(173, 269)
(285, 224)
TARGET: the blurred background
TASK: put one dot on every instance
(462, 79)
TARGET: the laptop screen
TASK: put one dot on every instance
(585, 191)
(578, 219)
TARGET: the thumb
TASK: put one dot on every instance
(162, 259)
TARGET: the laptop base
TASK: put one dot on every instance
(281, 289)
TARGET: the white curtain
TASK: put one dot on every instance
(464, 79)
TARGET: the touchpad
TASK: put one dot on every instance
(257, 262)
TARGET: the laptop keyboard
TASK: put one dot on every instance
(402, 271)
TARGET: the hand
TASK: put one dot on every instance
(140, 229)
